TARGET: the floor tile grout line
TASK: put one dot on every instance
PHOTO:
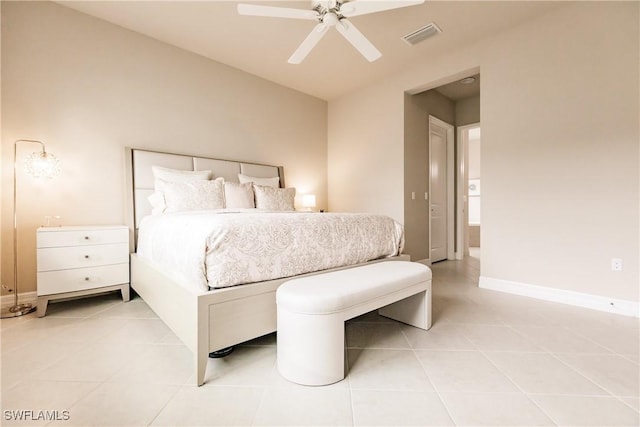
(98, 384)
(26, 342)
(173, 396)
(520, 388)
(595, 342)
(115, 304)
(31, 375)
(546, 349)
(380, 348)
(98, 301)
(437, 392)
(516, 351)
(611, 394)
(259, 406)
(576, 370)
(348, 378)
(263, 388)
(626, 357)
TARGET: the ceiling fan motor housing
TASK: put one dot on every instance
(330, 19)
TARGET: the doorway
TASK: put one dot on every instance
(456, 103)
(470, 192)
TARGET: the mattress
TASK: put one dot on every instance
(215, 249)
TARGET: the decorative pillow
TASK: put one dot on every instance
(194, 195)
(165, 175)
(278, 199)
(267, 182)
(239, 196)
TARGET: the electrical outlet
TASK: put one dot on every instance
(616, 264)
(413, 195)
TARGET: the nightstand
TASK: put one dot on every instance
(81, 260)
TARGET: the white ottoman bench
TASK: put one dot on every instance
(312, 311)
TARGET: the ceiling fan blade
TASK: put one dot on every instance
(312, 39)
(358, 40)
(276, 12)
(362, 7)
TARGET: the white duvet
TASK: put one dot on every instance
(215, 249)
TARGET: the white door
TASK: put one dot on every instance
(438, 191)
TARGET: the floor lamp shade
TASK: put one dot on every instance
(40, 164)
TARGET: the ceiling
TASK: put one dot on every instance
(458, 90)
(261, 46)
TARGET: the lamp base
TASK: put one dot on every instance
(17, 310)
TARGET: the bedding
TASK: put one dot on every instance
(222, 248)
(267, 182)
(277, 199)
(239, 196)
(194, 195)
(163, 176)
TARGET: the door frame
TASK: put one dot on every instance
(450, 129)
(462, 146)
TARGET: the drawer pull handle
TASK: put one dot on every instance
(86, 279)
(86, 237)
(86, 257)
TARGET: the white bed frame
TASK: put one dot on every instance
(247, 311)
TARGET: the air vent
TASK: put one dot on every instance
(422, 34)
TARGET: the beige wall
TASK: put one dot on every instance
(88, 89)
(468, 111)
(560, 132)
(366, 152)
(1, 152)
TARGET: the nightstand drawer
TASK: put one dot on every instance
(49, 239)
(52, 282)
(82, 256)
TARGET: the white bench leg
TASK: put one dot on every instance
(414, 310)
(42, 306)
(310, 348)
(125, 293)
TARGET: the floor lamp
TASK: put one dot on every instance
(39, 164)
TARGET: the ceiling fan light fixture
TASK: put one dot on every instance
(421, 34)
(330, 19)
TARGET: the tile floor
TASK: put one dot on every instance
(489, 359)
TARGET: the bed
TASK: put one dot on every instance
(223, 310)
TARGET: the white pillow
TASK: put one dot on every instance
(239, 196)
(278, 199)
(156, 200)
(268, 182)
(178, 175)
(165, 175)
(194, 195)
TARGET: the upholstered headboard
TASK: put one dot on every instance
(140, 177)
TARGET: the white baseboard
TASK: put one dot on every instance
(595, 302)
(23, 298)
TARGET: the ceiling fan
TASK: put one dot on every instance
(330, 13)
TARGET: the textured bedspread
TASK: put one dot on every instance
(215, 249)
